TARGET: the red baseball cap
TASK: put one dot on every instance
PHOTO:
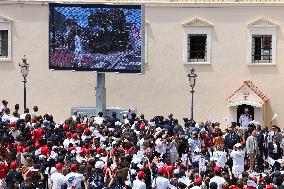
(73, 166)
(198, 181)
(74, 136)
(217, 169)
(254, 179)
(71, 148)
(13, 124)
(161, 170)
(13, 165)
(19, 148)
(87, 130)
(99, 150)
(68, 134)
(87, 151)
(141, 174)
(37, 145)
(270, 186)
(33, 120)
(58, 166)
(79, 126)
(142, 126)
(65, 127)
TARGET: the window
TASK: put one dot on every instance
(197, 47)
(262, 48)
(4, 43)
(197, 41)
(262, 42)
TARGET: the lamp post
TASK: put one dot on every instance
(24, 71)
(192, 77)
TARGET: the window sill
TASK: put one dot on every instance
(6, 60)
(261, 64)
(198, 63)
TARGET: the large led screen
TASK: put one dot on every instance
(95, 37)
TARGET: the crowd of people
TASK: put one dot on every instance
(105, 152)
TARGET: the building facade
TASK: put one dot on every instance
(235, 47)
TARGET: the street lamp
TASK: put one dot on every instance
(192, 77)
(24, 71)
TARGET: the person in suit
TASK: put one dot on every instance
(260, 137)
(275, 131)
(231, 139)
(251, 149)
(275, 152)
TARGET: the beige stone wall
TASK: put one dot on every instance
(164, 87)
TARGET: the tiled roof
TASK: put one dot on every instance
(254, 88)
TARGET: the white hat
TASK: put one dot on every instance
(176, 171)
(158, 129)
(99, 165)
(127, 183)
(54, 147)
(117, 123)
(238, 145)
(52, 170)
(133, 172)
(111, 129)
(197, 150)
(153, 124)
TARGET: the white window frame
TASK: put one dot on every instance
(7, 25)
(262, 26)
(197, 30)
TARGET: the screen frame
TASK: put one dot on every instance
(99, 5)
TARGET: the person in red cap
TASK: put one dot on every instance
(57, 178)
(67, 140)
(37, 133)
(73, 179)
(86, 134)
(139, 182)
(13, 175)
(3, 169)
(218, 179)
(197, 183)
(79, 126)
(160, 182)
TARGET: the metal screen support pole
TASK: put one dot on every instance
(101, 94)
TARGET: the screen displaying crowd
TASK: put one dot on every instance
(102, 151)
(95, 37)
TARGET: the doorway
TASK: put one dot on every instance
(241, 110)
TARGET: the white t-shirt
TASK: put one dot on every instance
(161, 183)
(220, 156)
(195, 187)
(66, 143)
(73, 179)
(238, 161)
(2, 108)
(13, 119)
(218, 180)
(5, 118)
(138, 184)
(99, 120)
(23, 116)
(57, 180)
(15, 133)
(173, 147)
